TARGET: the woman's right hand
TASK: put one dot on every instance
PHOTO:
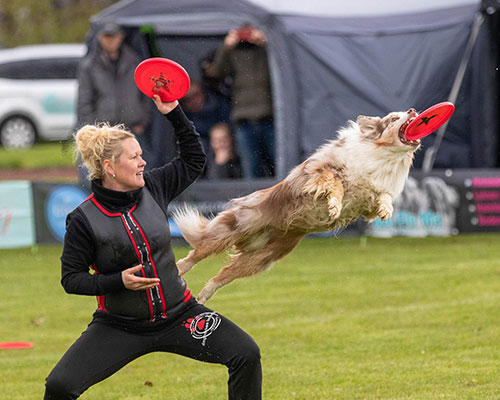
(133, 282)
(164, 107)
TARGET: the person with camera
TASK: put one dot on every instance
(243, 56)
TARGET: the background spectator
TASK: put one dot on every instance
(244, 57)
(106, 86)
(224, 162)
(211, 82)
(205, 109)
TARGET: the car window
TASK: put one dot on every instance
(53, 68)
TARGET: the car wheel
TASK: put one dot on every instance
(17, 133)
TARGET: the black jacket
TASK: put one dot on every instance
(162, 184)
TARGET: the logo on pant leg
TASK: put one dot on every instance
(203, 325)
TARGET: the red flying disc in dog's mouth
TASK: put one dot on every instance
(16, 345)
(163, 77)
(429, 120)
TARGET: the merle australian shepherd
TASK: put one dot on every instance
(359, 174)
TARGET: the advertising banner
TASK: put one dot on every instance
(53, 202)
(17, 226)
(427, 207)
(445, 202)
(480, 202)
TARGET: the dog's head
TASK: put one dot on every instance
(389, 131)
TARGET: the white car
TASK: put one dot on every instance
(38, 93)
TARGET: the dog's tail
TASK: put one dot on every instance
(191, 223)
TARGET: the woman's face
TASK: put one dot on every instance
(129, 169)
(220, 140)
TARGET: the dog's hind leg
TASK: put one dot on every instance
(248, 263)
(185, 264)
(196, 255)
(200, 252)
(218, 236)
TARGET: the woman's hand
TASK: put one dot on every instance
(133, 282)
(162, 107)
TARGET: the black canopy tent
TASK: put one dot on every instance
(328, 69)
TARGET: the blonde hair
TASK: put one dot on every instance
(96, 143)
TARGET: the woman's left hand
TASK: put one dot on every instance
(162, 107)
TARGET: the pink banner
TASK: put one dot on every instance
(488, 208)
(486, 182)
(486, 195)
(489, 220)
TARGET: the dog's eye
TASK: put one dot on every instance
(394, 119)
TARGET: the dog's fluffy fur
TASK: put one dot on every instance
(358, 174)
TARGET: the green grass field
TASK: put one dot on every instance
(42, 155)
(398, 318)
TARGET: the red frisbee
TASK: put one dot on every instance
(429, 120)
(163, 77)
(16, 345)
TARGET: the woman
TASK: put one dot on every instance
(121, 233)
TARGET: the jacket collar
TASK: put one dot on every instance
(114, 200)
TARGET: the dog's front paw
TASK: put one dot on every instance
(334, 208)
(385, 211)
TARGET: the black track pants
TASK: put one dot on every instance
(200, 334)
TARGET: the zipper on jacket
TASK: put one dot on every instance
(145, 260)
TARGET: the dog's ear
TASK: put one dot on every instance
(370, 127)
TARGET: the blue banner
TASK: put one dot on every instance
(17, 225)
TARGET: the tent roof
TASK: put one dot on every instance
(328, 8)
(188, 17)
(323, 8)
(216, 17)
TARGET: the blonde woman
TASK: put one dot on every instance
(121, 233)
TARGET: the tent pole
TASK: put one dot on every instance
(431, 152)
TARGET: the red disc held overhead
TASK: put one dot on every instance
(429, 120)
(163, 77)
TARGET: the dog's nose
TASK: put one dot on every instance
(412, 113)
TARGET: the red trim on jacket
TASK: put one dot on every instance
(106, 212)
(187, 295)
(152, 263)
(101, 301)
(150, 301)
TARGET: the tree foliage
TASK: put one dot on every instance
(46, 21)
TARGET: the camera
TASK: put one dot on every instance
(245, 34)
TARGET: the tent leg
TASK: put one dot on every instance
(431, 152)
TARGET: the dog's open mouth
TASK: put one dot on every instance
(402, 136)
